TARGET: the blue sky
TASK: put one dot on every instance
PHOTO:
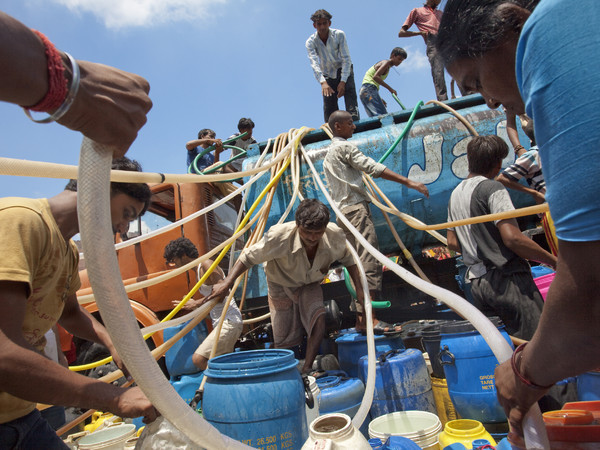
(209, 62)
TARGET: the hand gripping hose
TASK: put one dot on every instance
(93, 209)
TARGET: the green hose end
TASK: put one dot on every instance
(381, 304)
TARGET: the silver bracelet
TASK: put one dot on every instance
(62, 109)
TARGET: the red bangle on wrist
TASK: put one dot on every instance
(57, 82)
(513, 363)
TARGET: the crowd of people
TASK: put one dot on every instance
(515, 53)
(332, 66)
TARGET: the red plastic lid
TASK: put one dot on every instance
(591, 406)
(568, 417)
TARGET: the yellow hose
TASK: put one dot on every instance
(200, 282)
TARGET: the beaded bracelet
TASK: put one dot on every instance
(57, 98)
(513, 363)
(519, 147)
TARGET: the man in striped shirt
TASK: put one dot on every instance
(330, 60)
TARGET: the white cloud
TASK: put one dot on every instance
(416, 61)
(142, 13)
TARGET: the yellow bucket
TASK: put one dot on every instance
(443, 403)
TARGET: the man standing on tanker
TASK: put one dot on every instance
(297, 256)
(331, 63)
(427, 19)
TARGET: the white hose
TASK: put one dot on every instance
(535, 432)
(365, 405)
(93, 208)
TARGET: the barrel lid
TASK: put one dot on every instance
(329, 381)
(351, 337)
(464, 326)
(416, 327)
(433, 328)
(250, 363)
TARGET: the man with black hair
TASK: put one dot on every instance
(344, 166)
(369, 91)
(523, 55)
(297, 256)
(245, 125)
(331, 63)
(495, 252)
(427, 19)
(180, 252)
(206, 138)
(38, 280)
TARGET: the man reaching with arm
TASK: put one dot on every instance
(38, 280)
(495, 252)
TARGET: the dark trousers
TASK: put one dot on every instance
(513, 297)
(330, 104)
(29, 432)
(437, 70)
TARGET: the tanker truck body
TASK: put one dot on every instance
(432, 152)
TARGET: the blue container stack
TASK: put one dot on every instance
(257, 397)
(402, 382)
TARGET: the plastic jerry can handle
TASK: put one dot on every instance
(446, 353)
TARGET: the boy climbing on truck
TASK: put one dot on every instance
(344, 165)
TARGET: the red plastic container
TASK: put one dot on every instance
(543, 283)
(572, 429)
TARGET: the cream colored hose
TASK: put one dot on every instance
(96, 236)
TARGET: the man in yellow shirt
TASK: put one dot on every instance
(38, 280)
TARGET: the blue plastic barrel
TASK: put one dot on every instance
(469, 366)
(187, 385)
(179, 357)
(341, 394)
(257, 397)
(431, 343)
(353, 345)
(588, 386)
(402, 382)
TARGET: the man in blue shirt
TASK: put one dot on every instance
(330, 60)
(206, 138)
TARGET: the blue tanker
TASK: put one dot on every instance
(433, 152)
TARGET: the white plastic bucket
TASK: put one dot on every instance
(111, 438)
(313, 413)
(421, 427)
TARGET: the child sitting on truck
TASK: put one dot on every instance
(180, 252)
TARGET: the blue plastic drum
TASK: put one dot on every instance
(340, 394)
(469, 366)
(352, 346)
(257, 397)
(179, 357)
(402, 382)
